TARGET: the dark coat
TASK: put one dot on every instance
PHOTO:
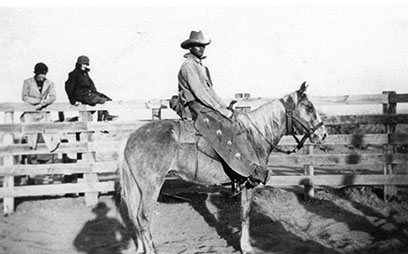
(80, 87)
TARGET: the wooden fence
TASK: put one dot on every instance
(350, 156)
(85, 142)
(364, 149)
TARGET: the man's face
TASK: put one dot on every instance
(40, 77)
(198, 50)
(84, 66)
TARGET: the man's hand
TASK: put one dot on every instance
(77, 103)
(41, 105)
(231, 115)
(231, 105)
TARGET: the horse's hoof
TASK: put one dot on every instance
(248, 251)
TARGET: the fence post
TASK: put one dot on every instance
(91, 198)
(8, 160)
(243, 96)
(308, 170)
(389, 108)
(156, 113)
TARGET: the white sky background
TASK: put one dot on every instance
(262, 49)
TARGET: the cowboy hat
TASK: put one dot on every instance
(195, 38)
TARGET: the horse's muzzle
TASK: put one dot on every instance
(319, 135)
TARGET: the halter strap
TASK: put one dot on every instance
(290, 117)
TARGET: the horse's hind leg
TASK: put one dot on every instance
(144, 219)
(143, 216)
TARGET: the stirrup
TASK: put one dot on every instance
(240, 187)
(247, 184)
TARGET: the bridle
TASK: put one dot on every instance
(290, 118)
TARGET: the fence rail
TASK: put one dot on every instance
(378, 152)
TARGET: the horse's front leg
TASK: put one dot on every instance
(246, 202)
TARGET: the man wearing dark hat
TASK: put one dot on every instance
(213, 119)
(81, 88)
(40, 92)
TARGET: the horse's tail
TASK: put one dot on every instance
(131, 193)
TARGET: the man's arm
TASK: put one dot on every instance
(202, 92)
(70, 88)
(26, 94)
(92, 84)
(50, 96)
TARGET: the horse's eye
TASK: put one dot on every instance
(309, 108)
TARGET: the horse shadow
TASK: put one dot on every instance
(102, 235)
(224, 216)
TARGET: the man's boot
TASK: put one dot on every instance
(259, 175)
(101, 115)
(66, 159)
(109, 117)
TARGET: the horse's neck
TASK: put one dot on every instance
(266, 125)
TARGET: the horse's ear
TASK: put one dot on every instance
(303, 87)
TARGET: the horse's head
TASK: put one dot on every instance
(303, 117)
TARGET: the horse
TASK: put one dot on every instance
(154, 149)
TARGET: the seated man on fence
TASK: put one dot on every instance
(40, 92)
(81, 89)
(196, 93)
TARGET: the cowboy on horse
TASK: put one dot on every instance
(213, 119)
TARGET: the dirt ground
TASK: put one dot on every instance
(196, 219)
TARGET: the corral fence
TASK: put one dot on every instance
(362, 149)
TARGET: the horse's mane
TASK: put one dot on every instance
(266, 120)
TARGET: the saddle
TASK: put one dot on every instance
(215, 138)
(190, 137)
(188, 134)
